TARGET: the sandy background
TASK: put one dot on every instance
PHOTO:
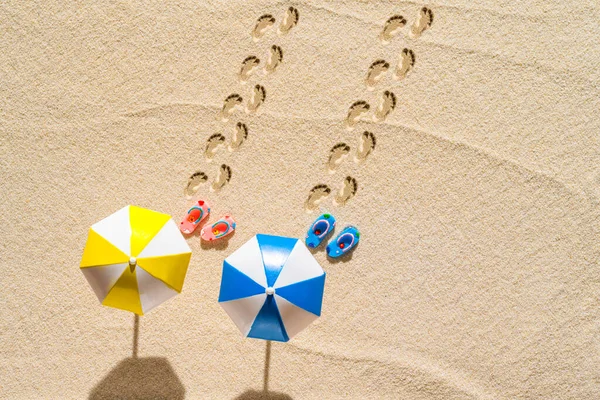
(476, 276)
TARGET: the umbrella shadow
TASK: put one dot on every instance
(264, 394)
(139, 378)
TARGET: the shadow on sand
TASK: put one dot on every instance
(261, 395)
(264, 394)
(140, 378)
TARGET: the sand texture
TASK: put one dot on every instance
(477, 274)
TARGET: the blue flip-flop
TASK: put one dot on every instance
(346, 241)
(319, 230)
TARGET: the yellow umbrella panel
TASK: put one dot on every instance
(135, 259)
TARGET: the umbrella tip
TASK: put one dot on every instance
(132, 263)
(270, 291)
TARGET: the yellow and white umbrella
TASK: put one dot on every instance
(135, 259)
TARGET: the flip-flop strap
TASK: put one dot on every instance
(351, 243)
(325, 231)
(201, 213)
(225, 231)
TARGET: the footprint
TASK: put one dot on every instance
(263, 23)
(423, 21)
(347, 191)
(229, 105)
(387, 104)
(275, 58)
(366, 146)
(391, 28)
(406, 63)
(212, 145)
(240, 133)
(223, 177)
(336, 156)
(249, 66)
(194, 182)
(375, 73)
(259, 94)
(354, 113)
(290, 20)
(316, 195)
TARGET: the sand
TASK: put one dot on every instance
(476, 277)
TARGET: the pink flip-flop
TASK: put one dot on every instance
(223, 227)
(195, 215)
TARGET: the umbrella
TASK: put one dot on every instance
(135, 259)
(272, 287)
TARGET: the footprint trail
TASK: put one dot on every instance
(387, 103)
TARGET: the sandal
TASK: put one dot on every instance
(223, 227)
(195, 215)
(319, 230)
(346, 241)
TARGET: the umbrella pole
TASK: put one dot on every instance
(267, 366)
(136, 330)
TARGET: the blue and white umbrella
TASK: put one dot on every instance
(272, 287)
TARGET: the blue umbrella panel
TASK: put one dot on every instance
(272, 287)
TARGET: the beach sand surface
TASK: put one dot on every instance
(477, 272)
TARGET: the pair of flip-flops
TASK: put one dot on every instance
(197, 214)
(323, 226)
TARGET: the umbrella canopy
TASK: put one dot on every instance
(272, 287)
(135, 259)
